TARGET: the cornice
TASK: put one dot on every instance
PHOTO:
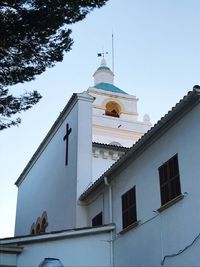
(106, 154)
(110, 94)
(57, 235)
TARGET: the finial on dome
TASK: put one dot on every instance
(103, 62)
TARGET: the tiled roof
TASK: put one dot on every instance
(110, 88)
(109, 146)
(185, 104)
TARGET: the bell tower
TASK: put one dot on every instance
(115, 116)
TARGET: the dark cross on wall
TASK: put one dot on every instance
(66, 138)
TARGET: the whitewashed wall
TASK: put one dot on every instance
(168, 232)
(98, 202)
(52, 186)
(174, 228)
(100, 165)
(80, 250)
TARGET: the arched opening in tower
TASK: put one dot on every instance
(113, 109)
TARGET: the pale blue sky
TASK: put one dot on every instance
(157, 51)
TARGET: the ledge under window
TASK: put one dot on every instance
(131, 226)
(170, 203)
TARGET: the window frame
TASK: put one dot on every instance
(169, 179)
(129, 208)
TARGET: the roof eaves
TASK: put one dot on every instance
(54, 126)
(61, 234)
(108, 87)
(193, 97)
(108, 146)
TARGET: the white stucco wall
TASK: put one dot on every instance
(123, 134)
(99, 202)
(168, 232)
(100, 165)
(52, 186)
(92, 249)
(80, 251)
(177, 226)
(7, 259)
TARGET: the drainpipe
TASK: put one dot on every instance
(110, 221)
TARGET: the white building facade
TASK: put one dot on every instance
(102, 204)
(160, 234)
(72, 156)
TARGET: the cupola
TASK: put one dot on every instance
(103, 74)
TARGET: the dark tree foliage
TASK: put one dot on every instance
(33, 36)
(10, 105)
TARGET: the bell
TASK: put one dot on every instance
(51, 262)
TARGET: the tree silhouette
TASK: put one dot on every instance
(34, 35)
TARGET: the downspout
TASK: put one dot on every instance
(110, 221)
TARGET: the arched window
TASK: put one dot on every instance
(44, 222)
(32, 232)
(38, 228)
(43, 225)
(113, 109)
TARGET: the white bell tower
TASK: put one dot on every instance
(115, 116)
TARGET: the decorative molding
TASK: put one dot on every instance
(106, 153)
(116, 156)
(96, 153)
(110, 94)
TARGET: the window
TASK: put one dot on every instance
(32, 232)
(169, 180)
(38, 229)
(112, 109)
(43, 225)
(44, 222)
(129, 212)
(97, 220)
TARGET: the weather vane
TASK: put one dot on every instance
(102, 54)
(106, 53)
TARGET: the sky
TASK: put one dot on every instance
(156, 50)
